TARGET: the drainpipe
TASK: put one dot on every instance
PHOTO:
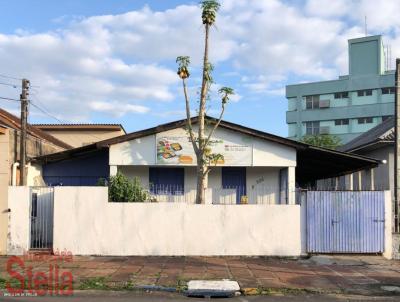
(14, 174)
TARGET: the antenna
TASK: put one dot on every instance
(387, 57)
(365, 23)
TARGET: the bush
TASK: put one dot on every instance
(121, 189)
(101, 182)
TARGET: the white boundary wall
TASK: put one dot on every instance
(18, 220)
(85, 223)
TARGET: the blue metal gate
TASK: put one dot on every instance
(345, 221)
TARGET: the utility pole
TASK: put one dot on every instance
(397, 149)
(24, 123)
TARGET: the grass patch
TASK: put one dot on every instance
(14, 283)
(3, 283)
(284, 291)
(94, 283)
(181, 285)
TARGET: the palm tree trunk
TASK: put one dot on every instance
(201, 163)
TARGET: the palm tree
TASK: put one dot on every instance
(200, 143)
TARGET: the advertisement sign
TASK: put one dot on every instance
(178, 150)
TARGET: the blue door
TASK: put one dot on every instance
(234, 178)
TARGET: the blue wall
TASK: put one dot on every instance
(84, 170)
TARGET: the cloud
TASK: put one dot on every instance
(118, 109)
(328, 8)
(124, 63)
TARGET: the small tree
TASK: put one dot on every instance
(201, 139)
(322, 140)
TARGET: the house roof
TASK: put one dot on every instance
(11, 121)
(312, 162)
(78, 127)
(379, 135)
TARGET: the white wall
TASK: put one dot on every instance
(141, 172)
(263, 185)
(18, 220)
(272, 154)
(34, 175)
(86, 224)
(141, 151)
(388, 254)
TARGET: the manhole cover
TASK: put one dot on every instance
(389, 288)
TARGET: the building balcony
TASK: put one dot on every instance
(333, 113)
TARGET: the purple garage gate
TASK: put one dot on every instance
(345, 221)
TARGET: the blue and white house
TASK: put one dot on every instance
(255, 166)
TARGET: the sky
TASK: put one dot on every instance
(113, 61)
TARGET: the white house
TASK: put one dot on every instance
(255, 167)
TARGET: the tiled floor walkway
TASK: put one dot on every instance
(329, 274)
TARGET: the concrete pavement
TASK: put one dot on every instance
(104, 296)
(361, 275)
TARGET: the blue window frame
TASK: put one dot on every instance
(167, 180)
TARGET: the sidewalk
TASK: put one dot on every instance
(363, 275)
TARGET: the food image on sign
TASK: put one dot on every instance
(175, 148)
(171, 152)
(185, 159)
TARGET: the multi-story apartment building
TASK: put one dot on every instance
(350, 105)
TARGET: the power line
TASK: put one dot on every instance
(9, 77)
(8, 84)
(37, 101)
(57, 119)
(8, 99)
(46, 113)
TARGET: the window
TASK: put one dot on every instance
(342, 122)
(386, 117)
(166, 180)
(312, 102)
(365, 120)
(366, 92)
(312, 128)
(388, 90)
(341, 95)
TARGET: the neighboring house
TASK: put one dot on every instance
(377, 143)
(38, 143)
(78, 135)
(255, 164)
(350, 105)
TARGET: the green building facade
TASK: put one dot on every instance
(350, 105)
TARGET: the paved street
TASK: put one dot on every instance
(361, 275)
(155, 297)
